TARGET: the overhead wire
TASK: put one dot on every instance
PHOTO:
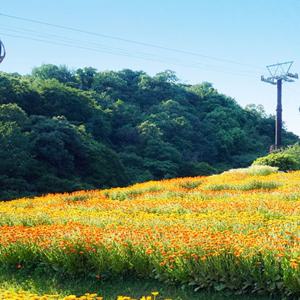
(76, 46)
(129, 40)
(143, 54)
(80, 42)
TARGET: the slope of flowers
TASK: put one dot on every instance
(235, 231)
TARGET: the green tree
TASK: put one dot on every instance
(85, 77)
(58, 99)
(11, 112)
(63, 130)
(60, 73)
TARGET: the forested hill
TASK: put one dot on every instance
(63, 130)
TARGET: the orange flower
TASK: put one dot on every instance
(294, 264)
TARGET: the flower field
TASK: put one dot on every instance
(238, 231)
(22, 295)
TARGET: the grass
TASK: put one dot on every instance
(190, 184)
(78, 198)
(248, 186)
(255, 170)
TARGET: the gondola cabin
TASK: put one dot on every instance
(2, 51)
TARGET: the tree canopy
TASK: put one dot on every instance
(63, 130)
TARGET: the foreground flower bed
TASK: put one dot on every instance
(237, 231)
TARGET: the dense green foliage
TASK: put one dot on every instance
(63, 130)
(285, 159)
(44, 284)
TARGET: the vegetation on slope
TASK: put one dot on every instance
(63, 130)
(238, 232)
(285, 159)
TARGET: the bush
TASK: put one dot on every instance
(281, 160)
(294, 151)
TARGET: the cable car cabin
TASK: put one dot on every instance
(2, 52)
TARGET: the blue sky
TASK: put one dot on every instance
(251, 33)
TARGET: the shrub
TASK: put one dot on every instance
(281, 160)
(294, 151)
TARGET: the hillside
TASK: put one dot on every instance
(63, 130)
(238, 231)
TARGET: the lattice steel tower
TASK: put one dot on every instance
(279, 72)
